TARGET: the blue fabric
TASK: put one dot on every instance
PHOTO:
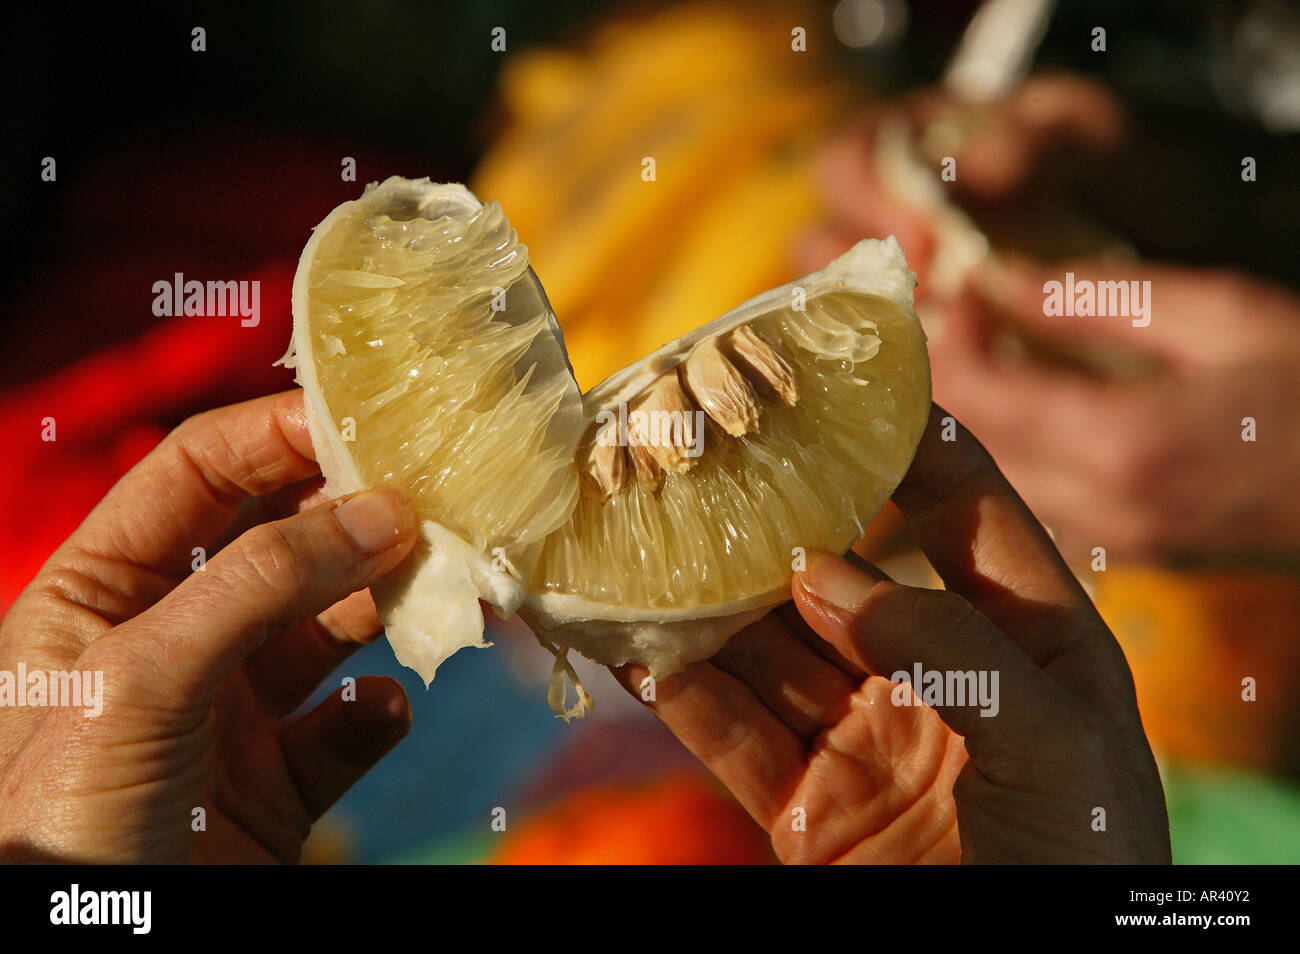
(477, 736)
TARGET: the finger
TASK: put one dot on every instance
(976, 531)
(330, 748)
(1063, 414)
(1069, 445)
(727, 728)
(291, 664)
(1062, 428)
(987, 546)
(1045, 117)
(862, 205)
(789, 614)
(187, 490)
(887, 629)
(1168, 312)
(1058, 424)
(81, 595)
(1070, 109)
(276, 505)
(275, 575)
(995, 154)
(805, 691)
(1079, 508)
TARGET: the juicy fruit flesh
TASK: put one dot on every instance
(448, 397)
(431, 359)
(811, 475)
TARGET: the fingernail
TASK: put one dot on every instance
(835, 581)
(375, 519)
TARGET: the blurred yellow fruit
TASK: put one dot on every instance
(731, 116)
(1191, 639)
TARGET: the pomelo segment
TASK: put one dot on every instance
(430, 359)
(665, 578)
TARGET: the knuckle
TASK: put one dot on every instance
(942, 610)
(184, 432)
(270, 556)
(205, 436)
(129, 665)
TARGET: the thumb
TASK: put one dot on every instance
(272, 576)
(887, 628)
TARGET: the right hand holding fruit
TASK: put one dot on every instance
(797, 717)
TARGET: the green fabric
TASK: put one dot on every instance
(1221, 816)
(465, 848)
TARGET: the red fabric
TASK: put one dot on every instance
(111, 408)
(84, 347)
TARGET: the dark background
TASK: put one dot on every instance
(415, 80)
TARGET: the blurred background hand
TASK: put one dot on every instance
(1143, 456)
(1187, 453)
(1043, 133)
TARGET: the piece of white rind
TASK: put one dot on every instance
(663, 647)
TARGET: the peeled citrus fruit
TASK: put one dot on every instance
(645, 521)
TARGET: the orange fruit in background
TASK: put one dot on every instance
(1191, 638)
(732, 119)
(680, 819)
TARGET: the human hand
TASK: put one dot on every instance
(796, 714)
(201, 668)
(1153, 467)
(1047, 127)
